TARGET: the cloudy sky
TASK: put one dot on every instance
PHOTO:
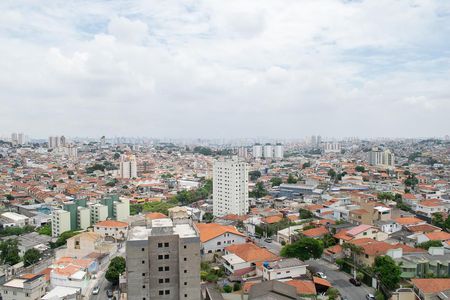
(274, 68)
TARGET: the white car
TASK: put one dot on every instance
(321, 275)
(95, 291)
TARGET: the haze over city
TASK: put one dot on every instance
(225, 68)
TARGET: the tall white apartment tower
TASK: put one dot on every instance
(278, 151)
(230, 187)
(379, 157)
(257, 151)
(128, 166)
(268, 151)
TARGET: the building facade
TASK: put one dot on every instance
(163, 261)
(379, 157)
(230, 187)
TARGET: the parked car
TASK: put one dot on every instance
(355, 281)
(321, 275)
(109, 294)
(370, 297)
(268, 240)
(95, 291)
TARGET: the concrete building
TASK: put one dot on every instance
(60, 222)
(71, 151)
(112, 229)
(29, 286)
(163, 261)
(83, 217)
(268, 151)
(55, 142)
(332, 147)
(287, 268)
(278, 151)
(128, 166)
(230, 187)
(99, 212)
(257, 151)
(380, 157)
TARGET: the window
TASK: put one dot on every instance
(184, 246)
(185, 259)
(185, 271)
(160, 256)
(364, 233)
(185, 283)
(166, 256)
(166, 244)
(142, 249)
(161, 292)
(143, 298)
(167, 280)
(219, 243)
(166, 268)
(185, 295)
(160, 246)
(143, 274)
(167, 292)
(161, 280)
(160, 269)
(143, 262)
(143, 286)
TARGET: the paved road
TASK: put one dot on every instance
(273, 247)
(340, 281)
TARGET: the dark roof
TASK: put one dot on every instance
(273, 290)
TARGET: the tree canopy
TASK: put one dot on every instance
(388, 271)
(31, 256)
(360, 169)
(63, 238)
(9, 252)
(258, 191)
(276, 181)
(303, 249)
(428, 244)
(115, 268)
(254, 175)
(291, 179)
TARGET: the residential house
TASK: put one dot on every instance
(111, 229)
(287, 268)
(429, 207)
(215, 238)
(84, 244)
(431, 288)
(27, 286)
(359, 232)
(243, 258)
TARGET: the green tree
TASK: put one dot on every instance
(388, 271)
(305, 214)
(411, 181)
(259, 191)
(227, 288)
(306, 165)
(447, 223)
(45, 230)
(208, 217)
(332, 173)
(360, 169)
(328, 240)
(9, 197)
(354, 250)
(304, 249)
(291, 179)
(9, 252)
(276, 181)
(116, 155)
(31, 256)
(428, 244)
(332, 293)
(236, 286)
(438, 220)
(115, 269)
(63, 238)
(254, 175)
(379, 295)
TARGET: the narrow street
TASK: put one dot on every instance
(340, 280)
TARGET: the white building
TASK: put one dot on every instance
(332, 147)
(128, 166)
(71, 151)
(278, 151)
(60, 222)
(284, 269)
(230, 187)
(30, 287)
(110, 228)
(379, 157)
(257, 151)
(268, 151)
(121, 209)
(99, 212)
(14, 219)
(84, 217)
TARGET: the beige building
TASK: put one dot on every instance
(122, 209)
(163, 261)
(60, 222)
(84, 244)
(84, 217)
(99, 212)
(27, 287)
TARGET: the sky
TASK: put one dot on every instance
(225, 69)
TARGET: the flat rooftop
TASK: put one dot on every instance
(16, 283)
(161, 227)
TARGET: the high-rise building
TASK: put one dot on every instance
(243, 152)
(71, 151)
(18, 139)
(257, 151)
(14, 139)
(268, 151)
(279, 151)
(230, 187)
(163, 261)
(128, 166)
(60, 222)
(332, 147)
(380, 157)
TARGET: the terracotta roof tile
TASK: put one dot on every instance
(212, 230)
(432, 285)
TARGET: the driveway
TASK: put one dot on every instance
(339, 280)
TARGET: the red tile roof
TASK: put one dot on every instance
(432, 285)
(213, 230)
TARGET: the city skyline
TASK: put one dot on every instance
(210, 69)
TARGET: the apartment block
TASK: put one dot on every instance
(163, 261)
(60, 222)
(29, 286)
(230, 187)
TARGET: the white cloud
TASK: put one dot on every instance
(212, 68)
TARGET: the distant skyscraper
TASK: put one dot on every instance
(243, 152)
(14, 139)
(54, 142)
(230, 187)
(128, 166)
(257, 151)
(332, 147)
(268, 151)
(71, 151)
(62, 141)
(279, 151)
(380, 157)
(163, 261)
